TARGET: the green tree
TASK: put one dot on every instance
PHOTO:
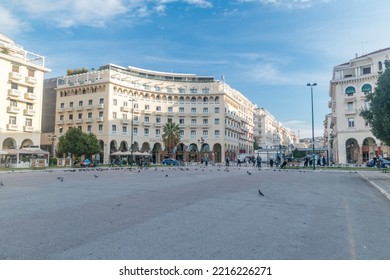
(78, 143)
(378, 112)
(171, 136)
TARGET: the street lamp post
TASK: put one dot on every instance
(312, 120)
(132, 131)
(52, 137)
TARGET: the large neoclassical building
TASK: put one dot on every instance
(21, 87)
(349, 135)
(127, 107)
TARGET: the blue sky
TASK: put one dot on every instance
(267, 49)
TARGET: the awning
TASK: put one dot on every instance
(29, 151)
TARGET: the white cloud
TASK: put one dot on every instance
(68, 13)
(9, 23)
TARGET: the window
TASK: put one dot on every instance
(170, 109)
(169, 90)
(80, 103)
(205, 121)
(30, 89)
(181, 110)
(147, 107)
(205, 110)
(350, 106)
(114, 128)
(89, 128)
(169, 98)
(90, 102)
(147, 119)
(71, 104)
(71, 117)
(366, 88)
(205, 133)
(115, 102)
(14, 86)
(80, 116)
(350, 91)
(193, 133)
(12, 120)
(101, 114)
(80, 127)
(193, 121)
(15, 68)
(181, 132)
(135, 105)
(89, 115)
(181, 99)
(216, 121)
(193, 100)
(28, 122)
(169, 120)
(158, 132)
(351, 122)
(114, 115)
(182, 90)
(136, 118)
(157, 88)
(366, 70)
(124, 129)
(62, 105)
(101, 101)
(158, 108)
(193, 90)
(61, 117)
(135, 130)
(124, 116)
(61, 130)
(380, 66)
(216, 133)
(146, 131)
(100, 128)
(181, 121)
(216, 110)
(158, 120)
(124, 103)
(193, 110)
(31, 73)
(205, 90)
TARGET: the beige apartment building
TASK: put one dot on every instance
(348, 134)
(21, 80)
(127, 107)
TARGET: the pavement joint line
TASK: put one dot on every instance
(376, 185)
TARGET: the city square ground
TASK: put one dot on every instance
(191, 213)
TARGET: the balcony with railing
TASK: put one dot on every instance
(15, 76)
(14, 93)
(31, 80)
(29, 112)
(30, 96)
(13, 110)
(28, 128)
(11, 126)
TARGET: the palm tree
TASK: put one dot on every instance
(171, 136)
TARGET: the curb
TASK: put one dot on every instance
(377, 186)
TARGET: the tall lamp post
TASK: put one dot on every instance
(132, 131)
(52, 137)
(312, 120)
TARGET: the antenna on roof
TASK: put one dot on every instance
(363, 43)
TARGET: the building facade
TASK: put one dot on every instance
(21, 82)
(270, 133)
(127, 107)
(349, 135)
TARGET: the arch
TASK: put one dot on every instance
(113, 146)
(193, 153)
(369, 149)
(135, 146)
(9, 143)
(216, 100)
(217, 152)
(350, 90)
(193, 99)
(157, 153)
(352, 149)
(145, 147)
(366, 88)
(123, 146)
(205, 99)
(180, 152)
(27, 143)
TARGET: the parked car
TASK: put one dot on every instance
(170, 161)
(383, 163)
